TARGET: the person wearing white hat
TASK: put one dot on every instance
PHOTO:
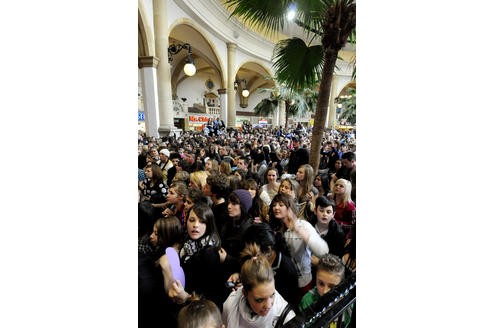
(165, 163)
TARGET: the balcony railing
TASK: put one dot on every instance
(211, 110)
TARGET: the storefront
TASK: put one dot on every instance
(197, 122)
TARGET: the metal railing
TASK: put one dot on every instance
(336, 306)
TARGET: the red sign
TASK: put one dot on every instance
(198, 119)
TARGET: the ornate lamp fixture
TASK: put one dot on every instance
(245, 91)
(173, 49)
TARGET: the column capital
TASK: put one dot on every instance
(148, 61)
(222, 91)
(231, 45)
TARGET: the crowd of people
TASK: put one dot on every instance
(236, 229)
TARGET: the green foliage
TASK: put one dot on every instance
(333, 20)
(348, 103)
(271, 14)
(297, 65)
(260, 13)
(296, 102)
(266, 107)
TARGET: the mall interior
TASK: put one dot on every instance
(196, 62)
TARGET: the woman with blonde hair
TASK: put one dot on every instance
(197, 179)
(225, 168)
(212, 166)
(182, 176)
(345, 209)
(307, 192)
(305, 178)
(256, 303)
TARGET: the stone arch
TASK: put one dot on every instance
(346, 87)
(256, 71)
(211, 58)
(145, 34)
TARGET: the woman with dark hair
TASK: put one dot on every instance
(284, 269)
(336, 167)
(322, 183)
(270, 189)
(155, 273)
(194, 196)
(300, 236)
(153, 191)
(202, 259)
(238, 206)
(153, 188)
(258, 211)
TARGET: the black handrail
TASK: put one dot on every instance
(329, 307)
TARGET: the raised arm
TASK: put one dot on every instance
(166, 272)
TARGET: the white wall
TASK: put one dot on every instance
(193, 88)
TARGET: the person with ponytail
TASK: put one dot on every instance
(256, 303)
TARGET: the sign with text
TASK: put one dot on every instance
(198, 119)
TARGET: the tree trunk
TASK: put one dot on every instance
(322, 107)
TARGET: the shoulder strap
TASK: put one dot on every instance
(281, 319)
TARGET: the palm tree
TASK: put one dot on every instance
(296, 102)
(297, 64)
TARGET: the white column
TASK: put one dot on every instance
(281, 108)
(331, 116)
(276, 118)
(223, 105)
(230, 84)
(147, 71)
(164, 86)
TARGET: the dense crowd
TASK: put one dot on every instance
(235, 228)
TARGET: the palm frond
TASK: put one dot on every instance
(266, 107)
(265, 14)
(310, 15)
(296, 64)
